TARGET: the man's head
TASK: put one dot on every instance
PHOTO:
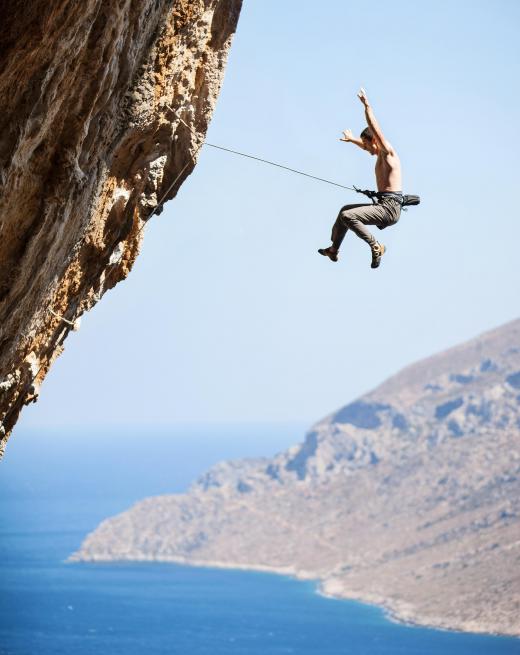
(369, 143)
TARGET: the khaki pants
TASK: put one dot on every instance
(357, 217)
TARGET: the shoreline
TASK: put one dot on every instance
(389, 608)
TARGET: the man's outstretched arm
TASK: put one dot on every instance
(348, 137)
(373, 124)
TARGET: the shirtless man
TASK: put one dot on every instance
(388, 178)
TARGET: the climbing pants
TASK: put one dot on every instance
(357, 217)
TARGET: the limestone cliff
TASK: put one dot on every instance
(91, 142)
(408, 497)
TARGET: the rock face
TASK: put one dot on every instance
(91, 142)
(408, 497)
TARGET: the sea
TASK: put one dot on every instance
(56, 486)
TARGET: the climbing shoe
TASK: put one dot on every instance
(331, 254)
(378, 250)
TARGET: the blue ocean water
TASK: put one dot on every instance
(55, 488)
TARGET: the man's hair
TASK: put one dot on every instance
(367, 134)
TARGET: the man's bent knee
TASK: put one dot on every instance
(347, 217)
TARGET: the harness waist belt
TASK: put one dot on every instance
(397, 195)
(404, 200)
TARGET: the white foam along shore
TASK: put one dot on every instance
(395, 611)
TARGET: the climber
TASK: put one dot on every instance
(389, 194)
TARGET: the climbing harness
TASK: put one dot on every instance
(406, 200)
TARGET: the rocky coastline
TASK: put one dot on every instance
(407, 498)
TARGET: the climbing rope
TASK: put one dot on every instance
(260, 159)
(287, 168)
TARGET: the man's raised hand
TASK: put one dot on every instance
(362, 95)
(347, 136)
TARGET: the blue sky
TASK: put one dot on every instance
(229, 314)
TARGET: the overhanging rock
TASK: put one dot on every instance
(91, 97)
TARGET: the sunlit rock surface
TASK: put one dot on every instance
(409, 497)
(90, 142)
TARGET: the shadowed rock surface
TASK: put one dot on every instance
(409, 498)
(90, 143)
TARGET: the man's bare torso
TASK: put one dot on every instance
(388, 171)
